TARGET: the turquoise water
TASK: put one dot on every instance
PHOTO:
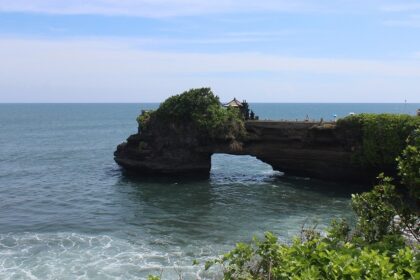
(68, 212)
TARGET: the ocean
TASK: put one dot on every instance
(68, 212)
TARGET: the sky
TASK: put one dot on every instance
(261, 51)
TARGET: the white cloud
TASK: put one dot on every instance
(224, 38)
(90, 52)
(168, 8)
(101, 71)
(412, 21)
(404, 13)
(402, 7)
(148, 8)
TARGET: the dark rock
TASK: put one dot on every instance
(296, 148)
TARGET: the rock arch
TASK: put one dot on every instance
(297, 148)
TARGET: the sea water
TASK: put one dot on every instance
(67, 211)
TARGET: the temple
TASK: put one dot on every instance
(234, 103)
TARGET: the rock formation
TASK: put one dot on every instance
(182, 134)
(296, 148)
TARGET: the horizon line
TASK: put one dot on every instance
(158, 102)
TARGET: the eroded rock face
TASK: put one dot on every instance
(167, 150)
(304, 149)
(296, 148)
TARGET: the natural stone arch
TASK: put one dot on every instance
(296, 148)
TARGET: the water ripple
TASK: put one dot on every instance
(77, 256)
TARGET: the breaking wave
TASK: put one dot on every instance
(78, 256)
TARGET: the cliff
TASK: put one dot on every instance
(173, 151)
(182, 134)
(296, 148)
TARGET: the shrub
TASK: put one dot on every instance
(374, 249)
(316, 259)
(409, 165)
(200, 110)
(339, 230)
(381, 137)
(375, 211)
(144, 119)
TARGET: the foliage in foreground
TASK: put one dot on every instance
(199, 109)
(377, 210)
(409, 165)
(380, 137)
(374, 249)
(317, 258)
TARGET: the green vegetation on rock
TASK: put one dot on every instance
(381, 137)
(200, 110)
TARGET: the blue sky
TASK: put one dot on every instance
(262, 51)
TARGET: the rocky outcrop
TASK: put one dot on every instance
(304, 149)
(296, 148)
(172, 150)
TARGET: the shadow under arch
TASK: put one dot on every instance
(228, 168)
(246, 169)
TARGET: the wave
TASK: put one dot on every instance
(79, 256)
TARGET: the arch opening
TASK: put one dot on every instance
(240, 168)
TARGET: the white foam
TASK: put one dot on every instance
(78, 256)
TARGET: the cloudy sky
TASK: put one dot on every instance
(262, 51)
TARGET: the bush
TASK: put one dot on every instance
(374, 249)
(375, 211)
(316, 259)
(339, 230)
(381, 137)
(409, 165)
(200, 110)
